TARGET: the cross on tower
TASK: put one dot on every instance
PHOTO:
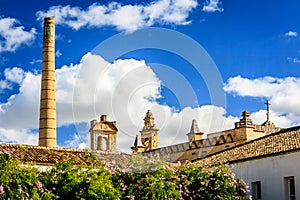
(268, 110)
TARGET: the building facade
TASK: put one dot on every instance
(198, 147)
(269, 165)
(103, 135)
(272, 177)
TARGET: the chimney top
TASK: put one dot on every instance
(48, 18)
(103, 118)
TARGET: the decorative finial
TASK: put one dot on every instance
(268, 110)
(194, 127)
(245, 114)
(149, 121)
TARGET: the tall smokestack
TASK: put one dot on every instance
(47, 130)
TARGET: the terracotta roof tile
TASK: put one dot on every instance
(43, 155)
(39, 155)
(284, 141)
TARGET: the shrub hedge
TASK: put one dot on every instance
(66, 180)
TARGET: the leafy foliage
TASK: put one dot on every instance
(160, 184)
(215, 183)
(68, 180)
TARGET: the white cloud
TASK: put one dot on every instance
(15, 75)
(291, 34)
(58, 53)
(14, 35)
(18, 136)
(294, 60)
(283, 93)
(123, 90)
(278, 119)
(124, 17)
(20, 112)
(34, 61)
(4, 85)
(212, 6)
(175, 125)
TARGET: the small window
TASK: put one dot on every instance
(290, 190)
(256, 190)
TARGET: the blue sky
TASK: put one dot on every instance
(252, 47)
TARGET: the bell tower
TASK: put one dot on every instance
(103, 135)
(47, 127)
(149, 134)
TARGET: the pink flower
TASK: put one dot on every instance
(1, 190)
(20, 189)
(130, 197)
(39, 185)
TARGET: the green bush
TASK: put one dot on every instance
(63, 181)
(68, 180)
(20, 182)
(160, 184)
(214, 183)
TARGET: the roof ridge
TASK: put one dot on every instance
(43, 147)
(288, 130)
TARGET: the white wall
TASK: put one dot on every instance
(271, 172)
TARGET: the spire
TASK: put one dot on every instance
(138, 142)
(194, 127)
(268, 110)
(138, 147)
(194, 133)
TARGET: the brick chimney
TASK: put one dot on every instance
(47, 129)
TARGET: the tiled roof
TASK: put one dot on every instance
(43, 155)
(284, 141)
(39, 155)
